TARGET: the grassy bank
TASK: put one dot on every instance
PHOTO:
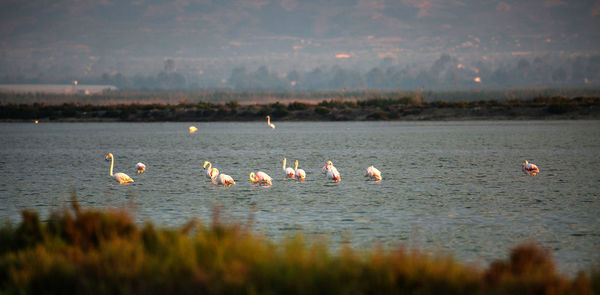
(373, 108)
(104, 252)
(265, 96)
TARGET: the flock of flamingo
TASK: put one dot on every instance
(263, 179)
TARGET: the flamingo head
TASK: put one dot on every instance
(229, 181)
(269, 117)
(328, 164)
(109, 156)
(205, 164)
(378, 176)
(526, 162)
(252, 178)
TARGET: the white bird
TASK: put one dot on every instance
(261, 178)
(269, 122)
(333, 174)
(210, 172)
(140, 167)
(373, 173)
(119, 176)
(222, 179)
(193, 129)
(530, 168)
(288, 172)
(327, 164)
(300, 173)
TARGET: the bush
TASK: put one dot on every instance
(279, 113)
(558, 108)
(297, 106)
(378, 116)
(321, 110)
(233, 105)
(82, 251)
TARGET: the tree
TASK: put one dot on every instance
(376, 78)
(559, 75)
(169, 66)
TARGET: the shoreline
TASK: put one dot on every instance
(401, 109)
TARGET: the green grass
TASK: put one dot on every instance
(88, 251)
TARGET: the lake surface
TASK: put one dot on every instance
(450, 187)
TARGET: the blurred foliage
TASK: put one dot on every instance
(85, 251)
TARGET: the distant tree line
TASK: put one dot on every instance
(445, 73)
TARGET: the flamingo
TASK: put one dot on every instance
(210, 172)
(288, 172)
(373, 173)
(530, 168)
(300, 173)
(324, 169)
(269, 122)
(333, 174)
(140, 167)
(193, 129)
(222, 179)
(119, 176)
(261, 178)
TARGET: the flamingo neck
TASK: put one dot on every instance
(269, 120)
(112, 162)
(209, 166)
(296, 165)
(283, 166)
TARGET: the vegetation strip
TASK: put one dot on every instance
(376, 108)
(85, 251)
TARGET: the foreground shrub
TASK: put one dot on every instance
(105, 252)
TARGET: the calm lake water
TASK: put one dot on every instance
(451, 187)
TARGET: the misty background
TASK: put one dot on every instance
(301, 45)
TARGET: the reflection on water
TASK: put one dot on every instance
(455, 187)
